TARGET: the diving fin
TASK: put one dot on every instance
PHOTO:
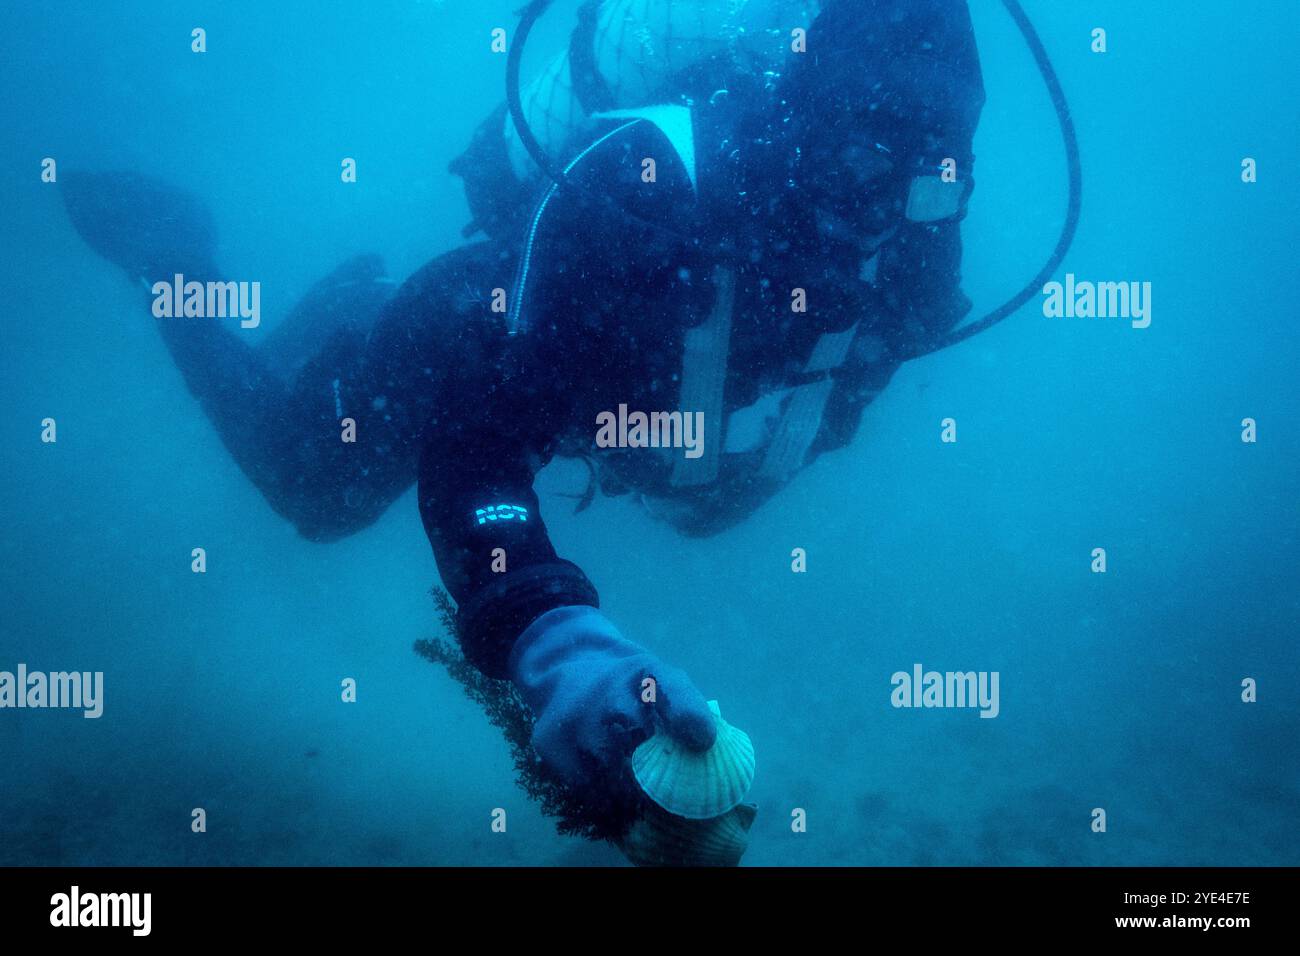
(149, 228)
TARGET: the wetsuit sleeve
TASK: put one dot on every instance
(508, 401)
(582, 310)
(482, 515)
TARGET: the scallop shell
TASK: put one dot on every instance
(660, 839)
(697, 786)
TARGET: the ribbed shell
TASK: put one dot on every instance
(661, 839)
(697, 786)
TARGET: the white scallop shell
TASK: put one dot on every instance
(661, 839)
(697, 786)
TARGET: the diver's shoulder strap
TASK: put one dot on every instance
(704, 379)
(801, 421)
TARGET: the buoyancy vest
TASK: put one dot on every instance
(776, 445)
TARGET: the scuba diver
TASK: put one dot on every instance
(756, 234)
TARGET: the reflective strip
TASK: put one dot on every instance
(704, 379)
(802, 419)
(515, 323)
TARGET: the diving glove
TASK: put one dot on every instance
(587, 685)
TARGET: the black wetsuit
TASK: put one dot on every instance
(605, 280)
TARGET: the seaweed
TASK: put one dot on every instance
(588, 813)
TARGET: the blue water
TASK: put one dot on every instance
(1119, 691)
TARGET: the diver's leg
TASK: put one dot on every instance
(351, 297)
(287, 436)
(393, 381)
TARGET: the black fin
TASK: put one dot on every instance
(149, 228)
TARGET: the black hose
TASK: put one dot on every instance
(529, 15)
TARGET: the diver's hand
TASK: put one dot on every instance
(584, 682)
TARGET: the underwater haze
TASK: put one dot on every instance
(1120, 690)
